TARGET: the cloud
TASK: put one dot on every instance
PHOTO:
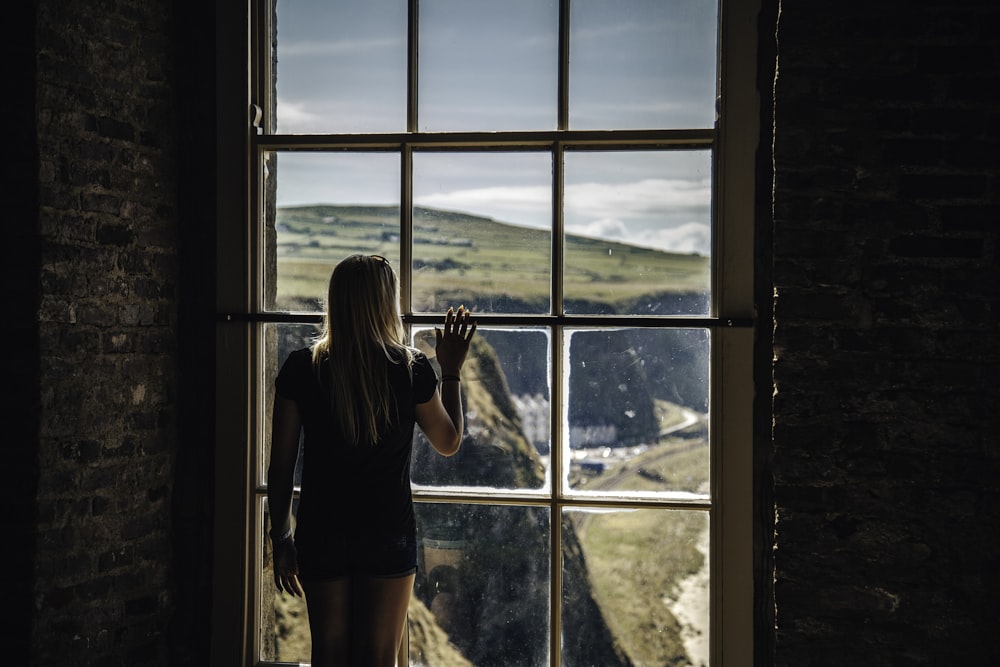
(691, 237)
(652, 196)
(336, 47)
(330, 116)
(534, 201)
(292, 117)
(594, 200)
(605, 228)
(669, 214)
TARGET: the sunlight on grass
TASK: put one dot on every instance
(460, 257)
(636, 561)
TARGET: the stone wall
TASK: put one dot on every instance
(106, 275)
(885, 274)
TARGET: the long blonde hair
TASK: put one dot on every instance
(363, 334)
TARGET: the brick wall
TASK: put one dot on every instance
(885, 269)
(107, 274)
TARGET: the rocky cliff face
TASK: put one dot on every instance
(486, 569)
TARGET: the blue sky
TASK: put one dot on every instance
(491, 65)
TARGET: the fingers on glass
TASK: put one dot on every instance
(458, 321)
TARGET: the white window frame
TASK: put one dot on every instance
(239, 419)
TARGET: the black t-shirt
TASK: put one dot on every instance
(354, 489)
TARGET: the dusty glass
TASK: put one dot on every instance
(638, 232)
(280, 341)
(283, 624)
(482, 231)
(487, 65)
(638, 412)
(505, 394)
(324, 207)
(647, 571)
(642, 64)
(484, 579)
(340, 66)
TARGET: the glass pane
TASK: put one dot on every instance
(284, 620)
(484, 579)
(323, 207)
(647, 570)
(340, 66)
(638, 232)
(504, 447)
(487, 65)
(481, 231)
(638, 411)
(280, 340)
(642, 64)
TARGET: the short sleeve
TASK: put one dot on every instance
(424, 380)
(295, 376)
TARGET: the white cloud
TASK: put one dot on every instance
(292, 117)
(605, 228)
(669, 214)
(515, 204)
(592, 200)
(641, 198)
(335, 47)
(689, 237)
(328, 116)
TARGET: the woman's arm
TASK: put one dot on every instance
(285, 427)
(443, 427)
(442, 419)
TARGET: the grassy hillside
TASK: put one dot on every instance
(499, 267)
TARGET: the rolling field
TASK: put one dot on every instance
(469, 259)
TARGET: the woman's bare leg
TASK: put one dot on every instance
(329, 604)
(379, 617)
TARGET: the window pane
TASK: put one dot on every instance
(284, 620)
(497, 451)
(484, 576)
(638, 232)
(642, 64)
(326, 206)
(280, 340)
(481, 231)
(638, 411)
(648, 571)
(341, 66)
(487, 65)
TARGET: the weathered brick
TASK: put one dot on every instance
(936, 246)
(871, 576)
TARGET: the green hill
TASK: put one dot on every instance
(492, 266)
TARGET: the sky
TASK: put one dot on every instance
(491, 65)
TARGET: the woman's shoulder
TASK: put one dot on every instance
(407, 354)
(297, 364)
(300, 356)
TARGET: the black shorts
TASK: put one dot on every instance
(333, 557)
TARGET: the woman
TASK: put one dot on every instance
(357, 394)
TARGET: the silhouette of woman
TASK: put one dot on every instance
(356, 395)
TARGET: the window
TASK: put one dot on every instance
(579, 173)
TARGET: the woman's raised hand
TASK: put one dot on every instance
(453, 343)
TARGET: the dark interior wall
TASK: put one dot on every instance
(99, 278)
(885, 271)
(20, 293)
(192, 505)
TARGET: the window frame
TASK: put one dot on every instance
(732, 320)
